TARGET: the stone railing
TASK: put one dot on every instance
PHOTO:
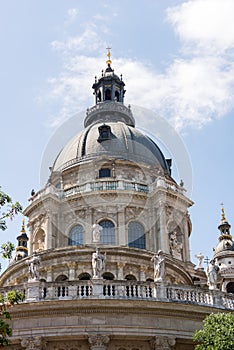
(134, 290)
(107, 185)
(117, 185)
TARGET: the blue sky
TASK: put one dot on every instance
(176, 58)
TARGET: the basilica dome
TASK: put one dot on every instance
(113, 139)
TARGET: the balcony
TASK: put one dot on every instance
(130, 290)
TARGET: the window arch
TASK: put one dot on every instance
(84, 276)
(107, 235)
(76, 235)
(136, 235)
(108, 94)
(230, 287)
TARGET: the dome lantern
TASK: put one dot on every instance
(224, 227)
(109, 87)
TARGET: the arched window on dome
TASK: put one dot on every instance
(136, 235)
(108, 94)
(76, 235)
(117, 96)
(107, 235)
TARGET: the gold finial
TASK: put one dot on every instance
(108, 62)
(223, 217)
(23, 227)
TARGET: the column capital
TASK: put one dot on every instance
(33, 343)
(98, 341)
(162, 342)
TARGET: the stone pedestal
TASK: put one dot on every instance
(33, 291)
(97, 284)
(160, 291)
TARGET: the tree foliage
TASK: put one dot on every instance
(12, 297)
(8, 209)
(217, 333)
(7, 249)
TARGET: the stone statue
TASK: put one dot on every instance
(96, 233)
(175, 246)
(33, 267)
(200, 258)
(212, 272)
(98, 263)
(159, 266)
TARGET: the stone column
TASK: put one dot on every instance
(120, 266)
(48, 240)
(49, 276)
(34, 343)
(186, 240)
(142, 273)
(98, 341)
(89, 227)
(164, 241)
(162, 343)
(122, 231)
(72, 271)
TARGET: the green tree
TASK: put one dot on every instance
(217, 333)
(8, 209)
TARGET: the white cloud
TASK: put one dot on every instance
(209, 24)
(72, 14)
(88, 42)
(196, 88)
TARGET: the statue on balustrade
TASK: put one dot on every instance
(33, 267)
(98, 263)
(159, 266)
(212, 274)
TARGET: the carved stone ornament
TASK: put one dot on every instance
(98, 341)
(35, 343)
(162, 343)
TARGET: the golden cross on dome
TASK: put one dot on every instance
(109, 56)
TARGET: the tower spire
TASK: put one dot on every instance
(224, 226)
(108, 62)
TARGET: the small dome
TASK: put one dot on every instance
(113, 139)
(224, 245)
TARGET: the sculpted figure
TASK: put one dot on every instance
(159, 266)
(96, 233)
(98, 263)
(211, 272)
(175, 246)
(33, 266)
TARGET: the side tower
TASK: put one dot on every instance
(224, 255)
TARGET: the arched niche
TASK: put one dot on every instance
(61, 278)
(84, 276)
(130, 277)
(108, 276)
(39, 240)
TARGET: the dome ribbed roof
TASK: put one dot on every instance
(124, 142)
